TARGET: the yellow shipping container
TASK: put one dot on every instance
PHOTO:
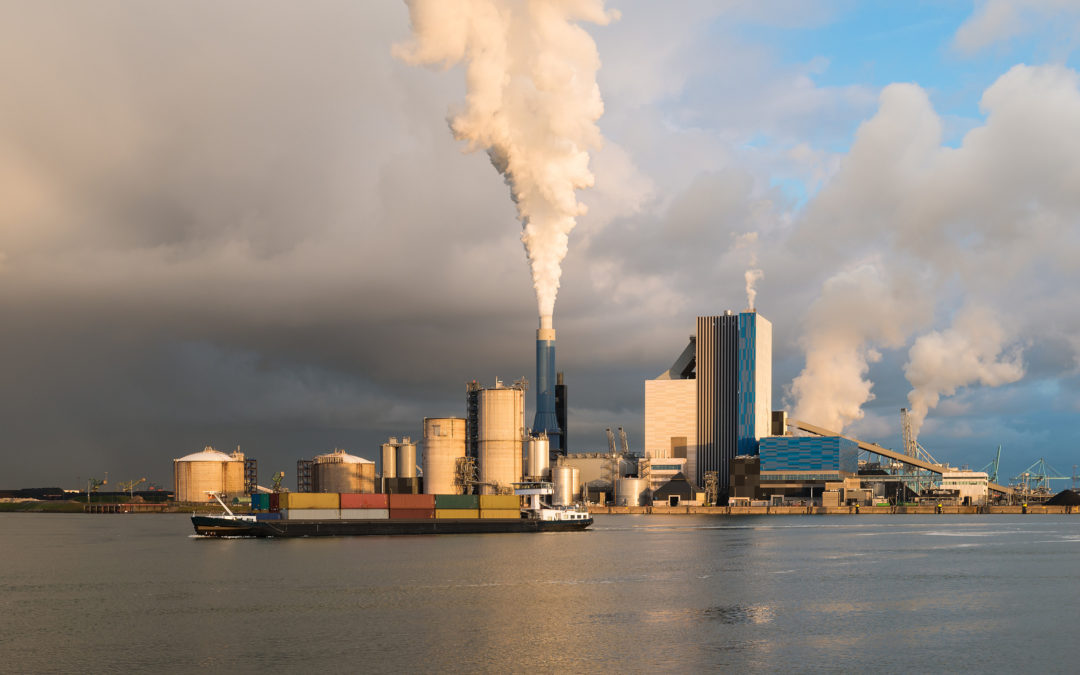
(457, 513)
(500, 513)
(500, 502)
(309, 500)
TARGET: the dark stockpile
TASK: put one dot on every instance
(1065, 498)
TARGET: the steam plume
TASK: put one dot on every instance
(752, 275)
(969, 352)
(858, 310)
(532, 103)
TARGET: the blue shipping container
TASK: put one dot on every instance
(268, 516)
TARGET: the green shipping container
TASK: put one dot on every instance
(457, 501)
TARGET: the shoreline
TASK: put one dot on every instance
(1032, 509)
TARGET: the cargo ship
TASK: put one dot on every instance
(300, 514)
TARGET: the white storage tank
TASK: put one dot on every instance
(338, 471)
(538, 457)
(632, 492)
(444, 445)
(406, 458)
(500, 432)
(567, 489)
(198, 474)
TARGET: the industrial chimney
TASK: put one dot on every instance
(546, 421)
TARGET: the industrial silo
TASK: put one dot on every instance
(197, 475)
(632, 492)
(389, 458)
(501, 429)
(566, 479)
(444, 445)
(406, 458)
(339, 471)
(538, 458)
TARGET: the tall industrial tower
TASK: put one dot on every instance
(733, 364)
(546, 420)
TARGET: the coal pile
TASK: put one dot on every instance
(1065, 498)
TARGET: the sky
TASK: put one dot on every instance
(247, 223)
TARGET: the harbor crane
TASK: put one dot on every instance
(991, 469)
(1036, 478)
(624, 442)
(129, 486)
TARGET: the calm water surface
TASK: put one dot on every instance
(636, 593)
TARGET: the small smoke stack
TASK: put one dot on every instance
(546, 420)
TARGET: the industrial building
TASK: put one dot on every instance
(198, 475)
(715, 401)
(338, 471)
(500, 433)
(444, 451)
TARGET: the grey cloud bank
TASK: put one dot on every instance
(246, 223)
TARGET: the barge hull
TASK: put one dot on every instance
(211, 526)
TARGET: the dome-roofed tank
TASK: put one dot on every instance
(199, 474)
(338, 471)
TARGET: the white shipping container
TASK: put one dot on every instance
(365, 514)
(311, 514)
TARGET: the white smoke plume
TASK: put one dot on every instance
(969, 352)
(532, 103)
(858, 310)
(752, 275)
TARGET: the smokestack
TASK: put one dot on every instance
(546, 420)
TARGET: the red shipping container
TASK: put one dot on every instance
(366, 501)
(411, 514)
(412, 502)
(275, 502)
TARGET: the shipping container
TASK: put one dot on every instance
(309, 500)
(365, 514)
(311, 514)
(457, 513)
(267, 516)
(260, 502)
(414, 514)
(500, 513)
(457, 501)
(412, 501)
(275, 501)
(364, 501)
(500, 502)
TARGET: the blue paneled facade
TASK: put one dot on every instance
(747, 440)
(825, 454)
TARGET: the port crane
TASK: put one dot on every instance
(991, 469)
(1035, 480)
(129, 486)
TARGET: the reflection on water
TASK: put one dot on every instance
(638, 593)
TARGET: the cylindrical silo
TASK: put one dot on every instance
(199, 474)
(632, 492)
(339, 471)
(406, 458)
(501, 428)
(538, 458)
(566, 480)
(444, 445)
(388, 453)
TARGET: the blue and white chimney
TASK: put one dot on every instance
(546, 420)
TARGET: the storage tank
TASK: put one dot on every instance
(566, 479)
(406, 458)
(538, 457)
(632, 492)
(389, 458)
(444, 445)
(197, 474)
(338, 471)
(501, 429)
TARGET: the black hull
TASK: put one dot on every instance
(211, 526)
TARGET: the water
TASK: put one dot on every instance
(634, 594)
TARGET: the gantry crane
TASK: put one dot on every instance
(991, 469)
(1034, 481)
(129, 486)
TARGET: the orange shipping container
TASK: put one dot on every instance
(411, 514)
(412, 502)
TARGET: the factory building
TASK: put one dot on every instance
(399, 468)
(199, 474)
(715, 401)
(971, 488)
